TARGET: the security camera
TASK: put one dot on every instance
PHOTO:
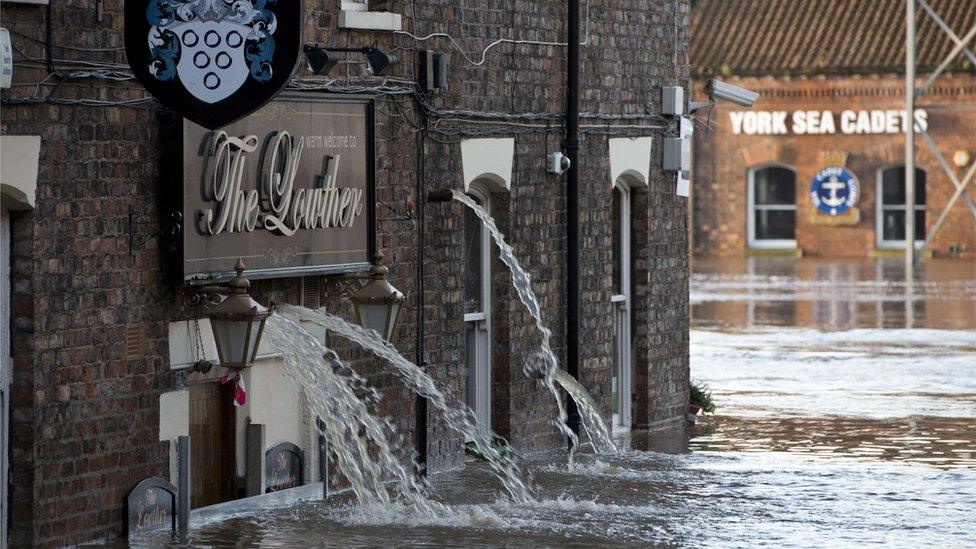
(557, 163)
(718, 90)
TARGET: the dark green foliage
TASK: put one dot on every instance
(701, 395)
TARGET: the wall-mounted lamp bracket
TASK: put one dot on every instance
(173, 227)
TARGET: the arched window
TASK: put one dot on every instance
(890, 214)
(772, 207)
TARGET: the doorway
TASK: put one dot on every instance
(5, 373)
(622, 355)
(212, 449)
(477, 310)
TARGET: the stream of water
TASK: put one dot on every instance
(548, 365)
(503, 464)
(360, 441)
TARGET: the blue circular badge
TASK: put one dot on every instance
(834, 190)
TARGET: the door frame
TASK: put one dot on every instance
(622, 305)
(6, 363)
(483, 318)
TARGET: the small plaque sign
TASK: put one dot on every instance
(151, 506)
(284, 466)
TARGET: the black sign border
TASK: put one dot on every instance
(172, 177)
(174, 96)
(282, 447)
(145, 485)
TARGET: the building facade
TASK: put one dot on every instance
(97, 379)
(831, 112)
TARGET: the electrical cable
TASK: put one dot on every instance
(484, 52)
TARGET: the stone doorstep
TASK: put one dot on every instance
(246, 506)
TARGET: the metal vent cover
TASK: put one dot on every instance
(311, 292)
(133, 341)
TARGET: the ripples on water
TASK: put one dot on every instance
(637, 499)
(846, 417)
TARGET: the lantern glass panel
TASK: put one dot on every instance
(392, 321)
(252, 345)
(230, 336)
(373, 317)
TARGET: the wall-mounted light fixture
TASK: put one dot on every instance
(237, 320)
(376, 302)
(321, 60)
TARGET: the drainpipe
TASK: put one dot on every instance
(421, 403)
(572, 203)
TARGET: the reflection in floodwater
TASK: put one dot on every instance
(833, 294)
(846, 416)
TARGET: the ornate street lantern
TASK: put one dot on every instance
(238, 323)
(378, 304)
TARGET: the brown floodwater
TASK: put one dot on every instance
(846, 416)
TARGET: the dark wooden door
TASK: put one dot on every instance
(211, 443)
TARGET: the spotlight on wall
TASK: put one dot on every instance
(377, 60)
(557, 163)
(321, 60)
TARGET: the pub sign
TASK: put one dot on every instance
(288, 189)
(213, 61)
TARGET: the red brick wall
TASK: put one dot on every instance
(722, 161)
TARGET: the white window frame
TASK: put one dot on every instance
(623, 419)
(880, 242)
(752, 241)
(484, 315)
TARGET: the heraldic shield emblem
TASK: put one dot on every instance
(213, 61)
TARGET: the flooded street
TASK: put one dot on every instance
(846, 415)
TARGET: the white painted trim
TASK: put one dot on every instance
(751, 207)
(19, 156)
(630, 160)
(489, 162)
(879, 240)
(370, 20)
(174, 414)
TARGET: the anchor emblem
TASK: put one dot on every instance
(834, 190)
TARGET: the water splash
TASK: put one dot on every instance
(595, 427)
(593, 424)
(503, 464)
(359, 440)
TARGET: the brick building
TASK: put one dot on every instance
(95, 378)
(830, 75)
